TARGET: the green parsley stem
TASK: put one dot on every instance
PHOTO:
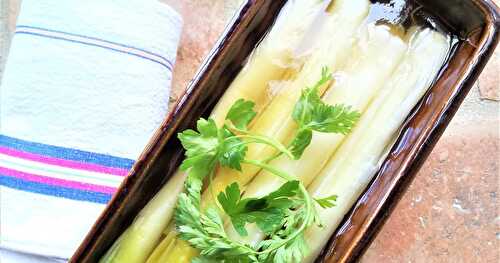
(211, 189)
(305, 223)
(308, 201)
(234, 128)
(269, 141)
(262, 139)
(272, 157)
(309, 208)
(270, 168)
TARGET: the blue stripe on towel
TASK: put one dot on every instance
(153, 57)
(66, 153)
(99, 39)
(57, 191)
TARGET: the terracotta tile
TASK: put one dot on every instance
(8, 15)
(450, 212)
(489, 82)
(204, 22)
(13, 9)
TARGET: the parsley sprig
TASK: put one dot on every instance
(312, 114)
(282, 215)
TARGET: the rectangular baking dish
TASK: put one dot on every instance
(476, 24)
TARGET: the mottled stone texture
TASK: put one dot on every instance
(450, 212)
(203, 23)
(489, 83)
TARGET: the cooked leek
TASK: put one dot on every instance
(350, 170)
(376, 73)
(373, 59)
(333, 52)
(269, 62)
(135, 244)
(272, 60)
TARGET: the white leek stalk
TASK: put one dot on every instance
(333, 52)
(269, 62)
(375, 56)
(140, 238)
(338, 30)
(348, 173)
(272, 59)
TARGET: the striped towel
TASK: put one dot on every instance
(59, 171)
(85, 86)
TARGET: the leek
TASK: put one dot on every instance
(372, 61)
(270, 62)
(352, 167)
(332, 53)
(135, 244)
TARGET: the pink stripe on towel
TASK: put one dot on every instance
(57, 182)
(63, 163)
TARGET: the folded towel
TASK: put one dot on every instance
(85, 85)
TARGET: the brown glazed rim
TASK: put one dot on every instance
(370, 212)
(418, 136)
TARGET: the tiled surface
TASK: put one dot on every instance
(489, 84)
(197, 39)
(451, 211)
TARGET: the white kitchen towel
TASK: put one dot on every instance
(86, 84)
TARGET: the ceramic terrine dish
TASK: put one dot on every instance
(299, 133)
